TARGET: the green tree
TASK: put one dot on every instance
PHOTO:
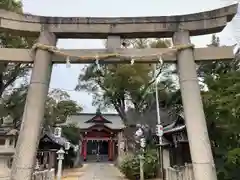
(59, 106)
(216, 68)
(12, 103)
(13, 96)
(121, 85)
(10, 72)
(221, 106)
(72, 133)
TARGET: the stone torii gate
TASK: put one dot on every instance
(180, 28)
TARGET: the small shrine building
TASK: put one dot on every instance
(99, 135)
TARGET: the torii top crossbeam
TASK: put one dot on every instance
(128, 27)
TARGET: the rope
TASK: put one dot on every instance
(57, 51)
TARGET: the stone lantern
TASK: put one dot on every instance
(60, 158)
(7, 150)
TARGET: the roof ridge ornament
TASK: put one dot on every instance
(98, 111)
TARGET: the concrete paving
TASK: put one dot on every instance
(101, 171)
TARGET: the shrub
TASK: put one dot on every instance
(130, 166)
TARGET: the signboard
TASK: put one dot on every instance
(122, 145)
(159, 130)
(143, 142)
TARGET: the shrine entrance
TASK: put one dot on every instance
(97, 150)
(99, 144)
(99, 135)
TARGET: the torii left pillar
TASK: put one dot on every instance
(28, 140)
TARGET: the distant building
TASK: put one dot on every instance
(176, 150)
(46, 158)
(99, 135)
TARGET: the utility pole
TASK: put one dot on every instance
(141, 158)
(143, 145)
(159, 128)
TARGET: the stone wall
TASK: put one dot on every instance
(44, 175)
(180, 173)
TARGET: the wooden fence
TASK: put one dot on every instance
(180, 173)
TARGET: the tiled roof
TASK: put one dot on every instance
(150, 118)
(58, 140)
(82, 121)
(98, 118)
(8, 131)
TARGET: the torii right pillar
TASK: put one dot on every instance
(200, 148)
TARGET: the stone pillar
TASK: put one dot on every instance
(121, 146)
(114, 42)
(166, 158)
(7, 142)
(4, 168)
(78, 159)
(166, 161)
(200, 148)
(28, 139)
(51, 160)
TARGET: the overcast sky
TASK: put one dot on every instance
(66, 78)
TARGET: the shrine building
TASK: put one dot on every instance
(98, 135)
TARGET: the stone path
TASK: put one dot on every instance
(96, 171)
(101, 171)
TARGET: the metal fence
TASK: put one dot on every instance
(180, 173)
(44, 175)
